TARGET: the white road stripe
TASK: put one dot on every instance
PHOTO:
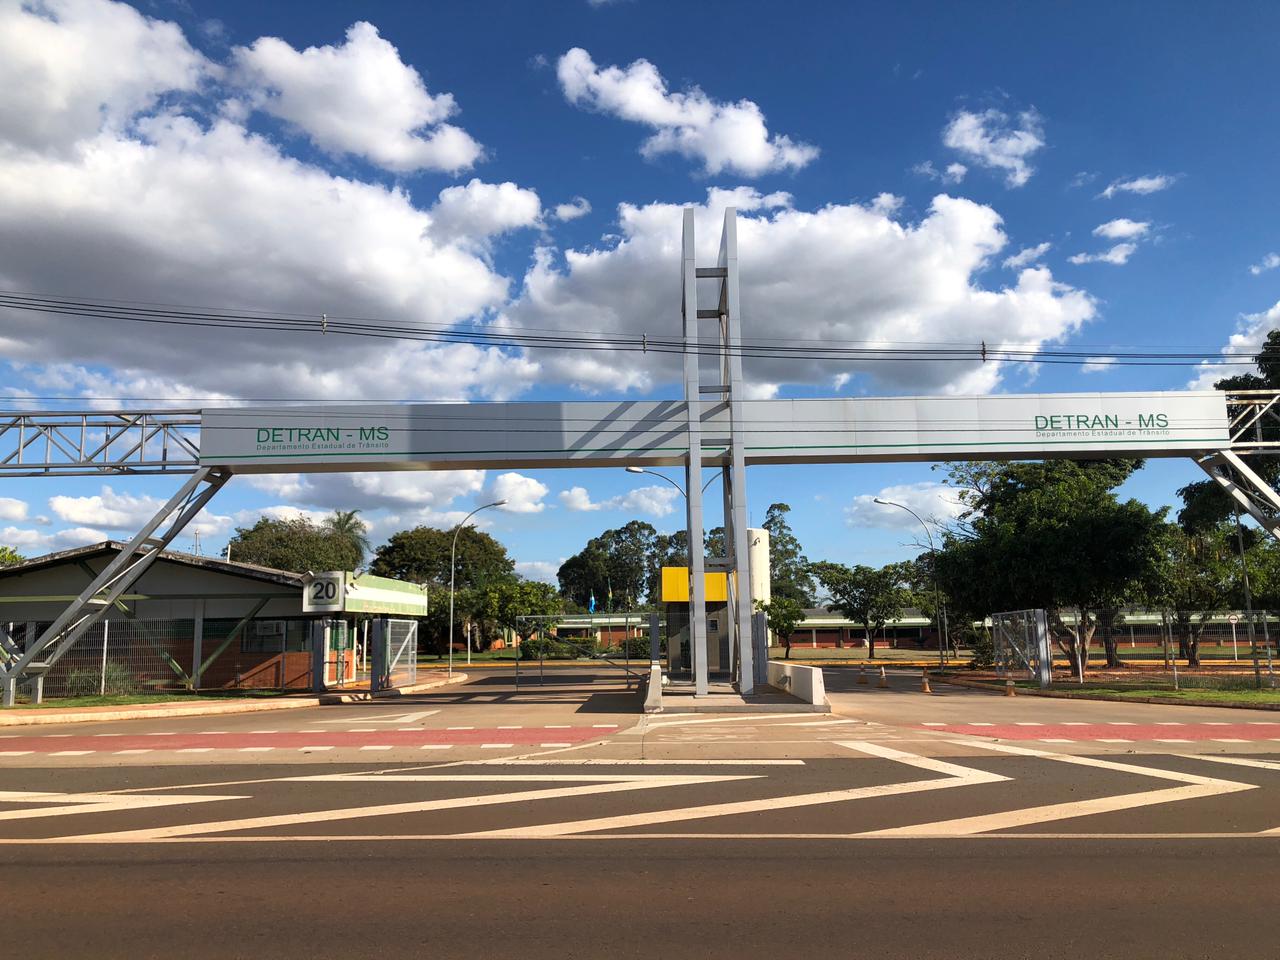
(195, 750)
(255, 749)
(1111, 740)
(544, 745)
(1028, 723)
(1227, 740)
(1168, 740)
(313, 749)
(375, 747)
(386, 718)
(71, 753)
(933, 723)
(459, 728)
(496, 746)
(600, 762)
(73, 803)
(144, 750)
(509, 728)
(15, 753)
(436, 746)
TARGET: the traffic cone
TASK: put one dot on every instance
(862, 673)
(924, 681)
(1008, 688)
(884, 681)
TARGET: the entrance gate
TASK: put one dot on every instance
(1021, 641)
(394, 655)
(714, 426)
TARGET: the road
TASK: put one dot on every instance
(478, 822)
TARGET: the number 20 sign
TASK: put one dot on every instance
(325, 593)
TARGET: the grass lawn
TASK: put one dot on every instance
(883, 654)
(132, 699)
(1102, 691)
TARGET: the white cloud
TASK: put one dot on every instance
(69, 68)
(33, 543)
(1121, 229)
(393, 490)
(1250, 333)
(954, 172)
(358, 98)
(989, 140)
(543, 570)
(112, 510)
(283, 511)
(1269, 262)
(578, 207)
(1118, 254)
(843, 273)
(11, 509)
(1139, 185)
(482, 210)
(934, 502)
(1097, 364)
(1027, 255)
(724, 137)
(655, 501)
(523, 494)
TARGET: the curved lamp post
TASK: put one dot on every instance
(937, 594)
(453, 557)
(663, 476)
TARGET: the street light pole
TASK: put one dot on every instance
(937, 594)
(663, 476)
(453, 569)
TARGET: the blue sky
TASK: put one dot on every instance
(1094, 175)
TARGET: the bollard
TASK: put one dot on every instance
(1008, 688)
(862, 673)
(884, 681)
(924, 681)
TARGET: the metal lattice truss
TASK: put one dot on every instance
(1254, 430)
(81, 443)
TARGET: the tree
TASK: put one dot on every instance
(1198, 576)
(784, 615)
(297, 545)
(865, 595)
(347, 524)
(10, 557)
(507, 601)
(421, 555)
(1051, 535)
(624, 562)
(788, 567)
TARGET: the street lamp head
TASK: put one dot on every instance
(499, 503)
(635, 469)
(882, 502)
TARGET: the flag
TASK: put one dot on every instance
(609, 602)
(591, 607)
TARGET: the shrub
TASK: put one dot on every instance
(984, 652)
(119, 680)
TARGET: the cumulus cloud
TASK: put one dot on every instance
(1121, 229)
(1118, 254)
(543, 570)
(990, 140)
(724, 137)
(953, 173)
(655, 501)
(481, 210)
(357, 98)
(578, 207)
(34, 543)
(842, 273)
(1097, 364)
(1269, 262)
(1027, 255)
(113, 510)
(1139, 185)
(11, 509)
(71, 68)
(393, 490)
(523, 494)
(1250, 333)
(936, 503)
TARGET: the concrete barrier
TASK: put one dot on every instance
(653, 689)
(803, 682)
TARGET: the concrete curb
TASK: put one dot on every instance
(24, 717)
(364, 696)
(1067, 695)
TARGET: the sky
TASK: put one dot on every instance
(1097, 176)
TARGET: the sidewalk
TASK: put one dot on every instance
(26, 716)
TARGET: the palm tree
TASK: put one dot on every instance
(347, 524)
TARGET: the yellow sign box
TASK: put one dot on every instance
(675, 586)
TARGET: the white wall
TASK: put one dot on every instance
(800, 681)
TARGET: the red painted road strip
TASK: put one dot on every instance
(1116, 731)
(287, 739)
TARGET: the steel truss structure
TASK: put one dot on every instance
(715, 429)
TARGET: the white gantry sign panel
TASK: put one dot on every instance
(652, 432)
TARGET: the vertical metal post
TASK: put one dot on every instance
(655, 650)
(197, 646)
(741, 567)
(693, 463)
(319, 638)
(102, 677)
(10, 694)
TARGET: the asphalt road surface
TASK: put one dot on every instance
(555, 822)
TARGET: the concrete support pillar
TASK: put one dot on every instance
(655, 648)
(693, 462)
(9, 691)
(197, 645)
(36, 686)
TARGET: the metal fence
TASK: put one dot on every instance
(395, 654)
(1213, 635)
(1020, 639)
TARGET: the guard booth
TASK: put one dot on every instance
(388, 638)
(675, 601)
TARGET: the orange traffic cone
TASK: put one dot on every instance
(924, 681)
(884, 681)
(862, 673)
(1008, 688)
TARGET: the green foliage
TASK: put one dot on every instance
(783, 615)
(346, 524)
(789, 570)
(625, 561)
(296, 545)
(505, 601)
(422, 555)
(119, 680)
(10, 557)
(863, 594)
(984, 651)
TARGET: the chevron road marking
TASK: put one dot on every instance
(954, 776)
(1194, 787)
(602, 785)
(72, 803)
